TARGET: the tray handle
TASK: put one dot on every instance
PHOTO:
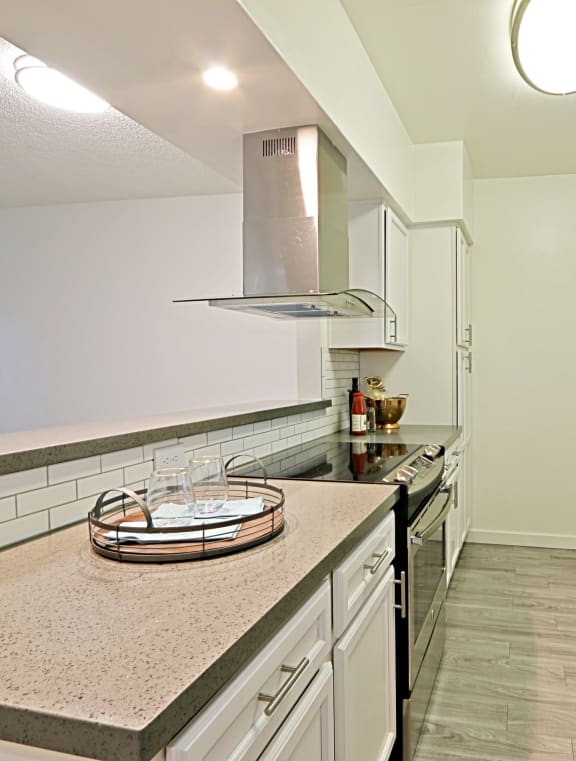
(252, 458)
(128, 493)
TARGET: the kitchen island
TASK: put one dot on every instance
(109, 660)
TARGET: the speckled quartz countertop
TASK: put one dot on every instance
(410, 434)
(47, 446)
(110, 660)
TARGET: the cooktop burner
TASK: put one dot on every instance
(327, 459)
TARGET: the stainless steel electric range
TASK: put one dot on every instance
(420, 563)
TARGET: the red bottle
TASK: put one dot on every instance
(358, 422)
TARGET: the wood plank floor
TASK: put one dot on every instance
(506, 690)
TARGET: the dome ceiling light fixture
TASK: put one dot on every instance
(51, 87)
(542, 34)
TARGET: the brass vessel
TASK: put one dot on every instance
(389, 411)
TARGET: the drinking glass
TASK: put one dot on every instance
(207, 476)
(170, 497)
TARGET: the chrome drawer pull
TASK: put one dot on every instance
(380, 558)
(275, 700)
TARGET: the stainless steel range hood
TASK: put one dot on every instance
(295, 233)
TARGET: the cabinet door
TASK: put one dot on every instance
(463, 408)
(242, 719)
(308, 732)
(367, 225)
(397, 279)
(463, 325)
(365, 681)
(465, 496)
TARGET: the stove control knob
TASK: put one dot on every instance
(432, 451)
(406, 474)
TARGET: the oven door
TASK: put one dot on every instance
(426, 575)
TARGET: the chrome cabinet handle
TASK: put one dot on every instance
(469, 358)
(402, 606)
(468, 331)
(393, 336)
(380, 558)
(275, 700)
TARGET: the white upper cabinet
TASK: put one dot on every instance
(379, 262)
(463, 324)
(397, 276)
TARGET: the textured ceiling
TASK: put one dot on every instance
(147, 60)
(51, 156)
(448, 68)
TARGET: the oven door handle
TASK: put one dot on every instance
(421, 536)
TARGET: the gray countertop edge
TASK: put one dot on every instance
(75, 450)
(101, 741)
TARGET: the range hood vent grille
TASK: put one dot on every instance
(279, 146)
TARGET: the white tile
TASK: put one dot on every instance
(288, 431)
(293, 441)
(97, 484)
(23, 480)
(122, 458)
(263, 451)
(23, 528)
(213, 449)
(309, 436)
(263, 425)
(42, 499)
(278, 446)
(223, 434)
(197, 440)
(73, 512)
(264, 438)
(293, 419)
(301, 428)
(242, 430)
(137, 485)
(137, 472)
(68, 471)
(279, 422)
(7, 508)
(149, 448)
(233, 447)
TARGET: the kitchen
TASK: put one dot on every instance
(517, 288)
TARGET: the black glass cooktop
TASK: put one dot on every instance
(327, 459)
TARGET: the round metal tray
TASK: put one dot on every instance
(121, 527)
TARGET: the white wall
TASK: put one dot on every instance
(524, 392)
(319, 43)
(88, 330)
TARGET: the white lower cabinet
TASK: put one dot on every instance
(458, 520)
(308, 732)
(240, 722)
(365, 680)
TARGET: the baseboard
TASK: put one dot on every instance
(553, 541)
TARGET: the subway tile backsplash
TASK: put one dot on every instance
(33, 502)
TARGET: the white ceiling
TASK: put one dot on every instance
(147, 60)
(448, 68)
(49, 156)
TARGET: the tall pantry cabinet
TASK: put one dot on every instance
(436, 367)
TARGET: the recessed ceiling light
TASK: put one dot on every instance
(220, 78)
(55, 89)
(543, 44)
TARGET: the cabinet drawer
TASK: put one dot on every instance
(237, 724)
(355, 578)
(308, 733)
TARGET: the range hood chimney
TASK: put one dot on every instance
(295, 233)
